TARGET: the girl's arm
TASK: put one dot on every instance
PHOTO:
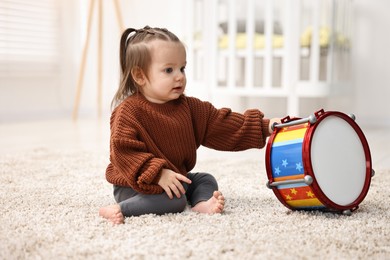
(223, 129)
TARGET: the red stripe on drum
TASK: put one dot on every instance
(298, 193)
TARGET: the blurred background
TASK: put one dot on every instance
(42, 43)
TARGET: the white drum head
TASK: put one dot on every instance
(338, 160)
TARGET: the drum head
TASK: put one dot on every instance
(338, 160)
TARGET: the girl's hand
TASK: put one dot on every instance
(272, 121)
(170, 181)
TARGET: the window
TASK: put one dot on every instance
(29, 38)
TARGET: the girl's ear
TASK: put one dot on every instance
(138, 76)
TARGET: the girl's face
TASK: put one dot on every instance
(166, 79)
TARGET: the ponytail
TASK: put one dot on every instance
(123, 46)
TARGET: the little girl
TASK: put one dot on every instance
(156, 130)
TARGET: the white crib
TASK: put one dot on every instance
(290, 49)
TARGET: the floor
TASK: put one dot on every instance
(94, 134)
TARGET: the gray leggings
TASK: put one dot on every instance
(133, 203)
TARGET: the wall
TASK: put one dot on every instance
(371, 60)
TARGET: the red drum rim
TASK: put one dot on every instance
(307, 161)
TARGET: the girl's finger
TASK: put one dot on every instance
(175, 190)
(183, 178)
(168, 192)
(180, 186)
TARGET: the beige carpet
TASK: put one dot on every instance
(49, 202)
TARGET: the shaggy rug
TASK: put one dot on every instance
(49, 210)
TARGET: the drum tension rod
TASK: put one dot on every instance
(311, 119)
(307, 180)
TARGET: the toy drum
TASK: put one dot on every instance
(322, 162)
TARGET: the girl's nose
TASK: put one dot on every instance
(180, 76)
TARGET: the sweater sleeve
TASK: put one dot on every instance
(226, 130)
(130, 163)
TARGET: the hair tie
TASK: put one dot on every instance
(145, 30)
(131, 32)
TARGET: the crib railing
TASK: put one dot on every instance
(299, 59)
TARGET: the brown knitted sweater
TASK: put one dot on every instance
(146, 137)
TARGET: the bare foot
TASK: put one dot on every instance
(112, 213)
(214, 205)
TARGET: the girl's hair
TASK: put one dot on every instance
(134, 54)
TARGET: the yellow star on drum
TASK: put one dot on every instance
(310, 194)
(294, 191)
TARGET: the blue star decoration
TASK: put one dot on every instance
(277, 171)
(284, 163)
(299, 167)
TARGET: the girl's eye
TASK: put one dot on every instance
(169, 70)
(183, 69)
